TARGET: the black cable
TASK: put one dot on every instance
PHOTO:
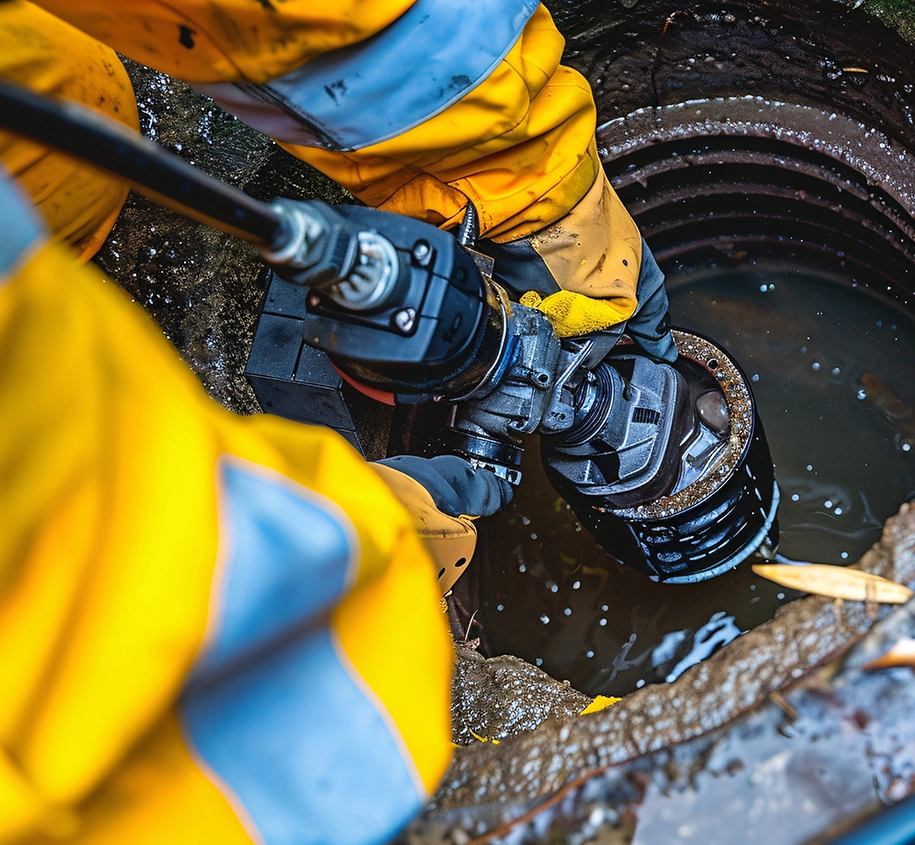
(153, 171)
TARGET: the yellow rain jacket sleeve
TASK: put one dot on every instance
(438, 100)
(212, 628)
(417, 107)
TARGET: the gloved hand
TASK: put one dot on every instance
(454, 485)
(590, 272)
(445, 494)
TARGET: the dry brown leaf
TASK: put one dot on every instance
(835, 581)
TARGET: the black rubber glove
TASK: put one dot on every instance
(455, 486)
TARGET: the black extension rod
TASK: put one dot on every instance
(160, 175)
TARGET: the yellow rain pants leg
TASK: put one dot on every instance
(517, 137)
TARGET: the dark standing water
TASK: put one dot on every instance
(844, 449)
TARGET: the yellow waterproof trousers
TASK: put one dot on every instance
(416, 106)
(413, 105)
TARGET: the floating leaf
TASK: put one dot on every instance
(835, 581)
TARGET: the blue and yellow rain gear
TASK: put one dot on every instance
(212, 628)
(417, 107)
(225, 629)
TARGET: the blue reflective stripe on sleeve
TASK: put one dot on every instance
(289, 554)
(416, 67)
(302, 747)
(20, 225)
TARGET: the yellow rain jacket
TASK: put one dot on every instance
(415, 106)
(41, 52)
(212, 628)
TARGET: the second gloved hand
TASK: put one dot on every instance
(591, 273)
(454, 485)
(445, 494)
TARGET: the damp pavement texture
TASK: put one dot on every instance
(203, 287)
(898, 14)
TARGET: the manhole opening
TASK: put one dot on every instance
(801, 265)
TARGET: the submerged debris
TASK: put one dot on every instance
(900, 415)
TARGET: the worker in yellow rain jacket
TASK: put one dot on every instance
(219, 629)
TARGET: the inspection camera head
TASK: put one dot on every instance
(666, 464)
